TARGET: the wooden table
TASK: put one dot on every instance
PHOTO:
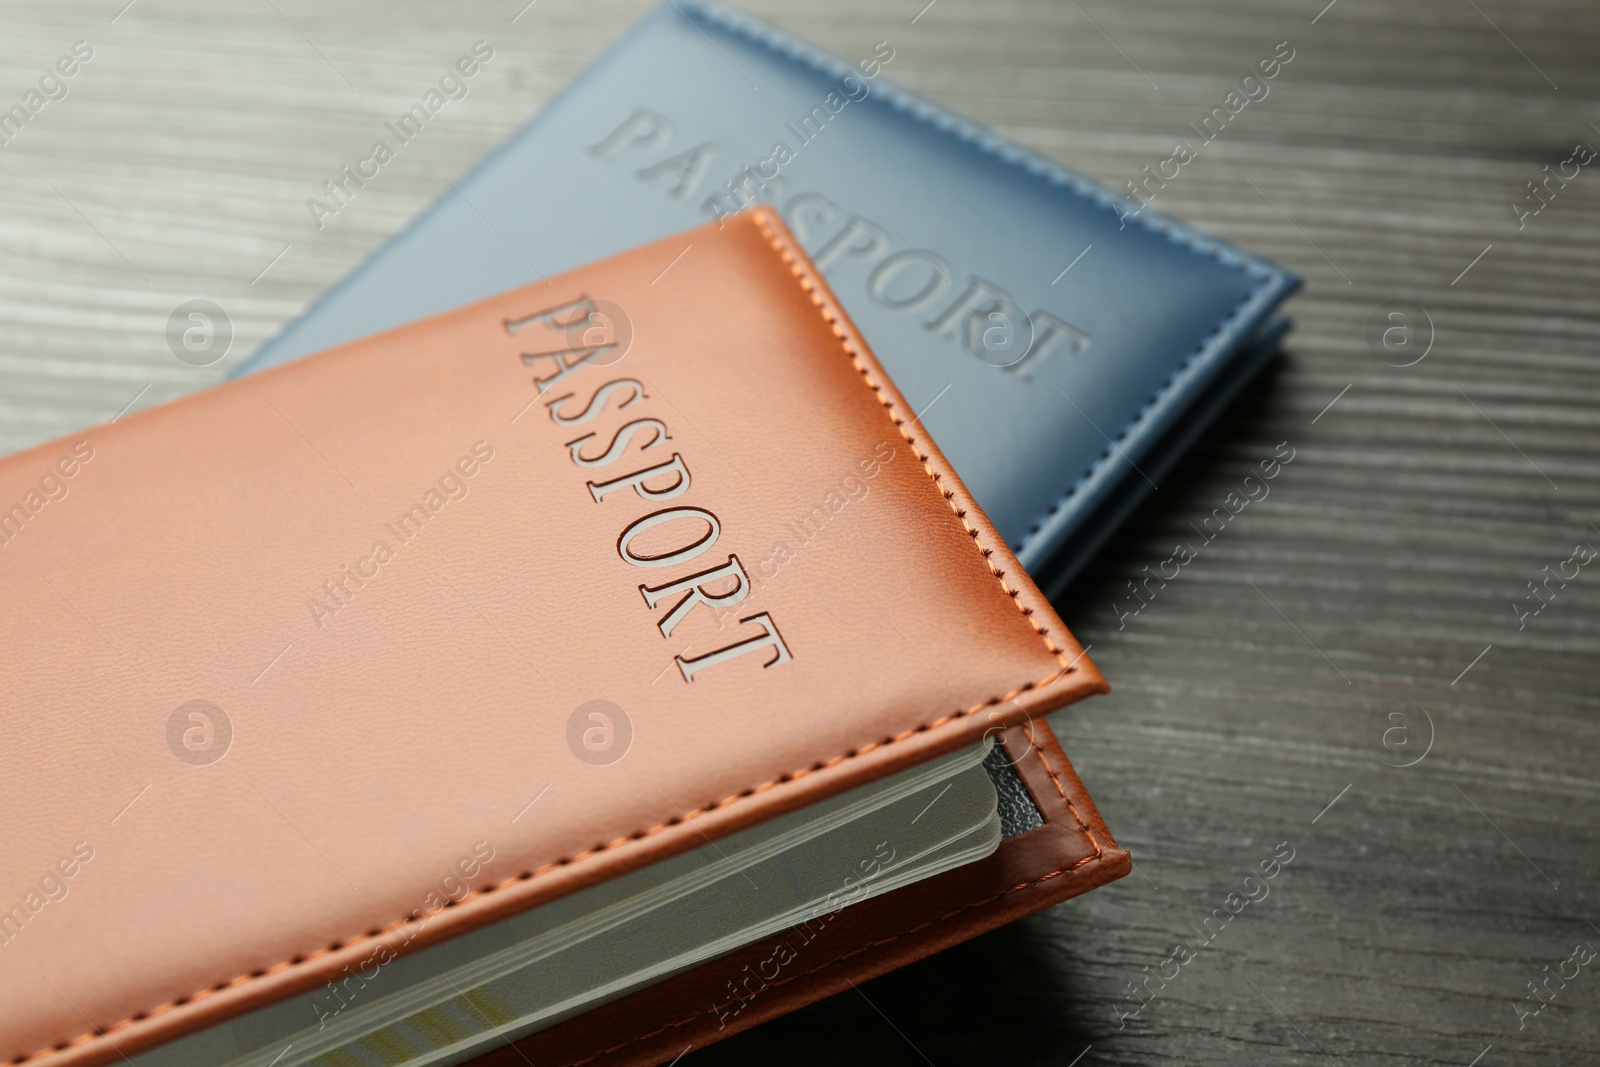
(1254, 693)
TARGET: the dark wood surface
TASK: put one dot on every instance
(1252, 693)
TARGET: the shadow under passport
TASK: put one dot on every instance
(1003, 997)
(1244, 419)
(1007, 996)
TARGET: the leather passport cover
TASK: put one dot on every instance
(1061, 343)
(282, 654)
(1068, 853)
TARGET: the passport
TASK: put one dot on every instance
(1063, 343)
(387, 707)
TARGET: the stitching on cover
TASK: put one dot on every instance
(1127, 431)
(810, 286)
(853, 952)
(1073, 808)
(993, 145)
(1066, 668)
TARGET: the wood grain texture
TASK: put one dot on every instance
(1251, 691)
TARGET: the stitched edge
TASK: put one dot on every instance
(1083, 824)
(992, 144)
(809, 284)
(853, 952)
(1099, 853)
(1134, 424)
(1066, 668)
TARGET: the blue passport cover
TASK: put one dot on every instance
(1062, 346)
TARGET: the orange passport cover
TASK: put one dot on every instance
(279, 654)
